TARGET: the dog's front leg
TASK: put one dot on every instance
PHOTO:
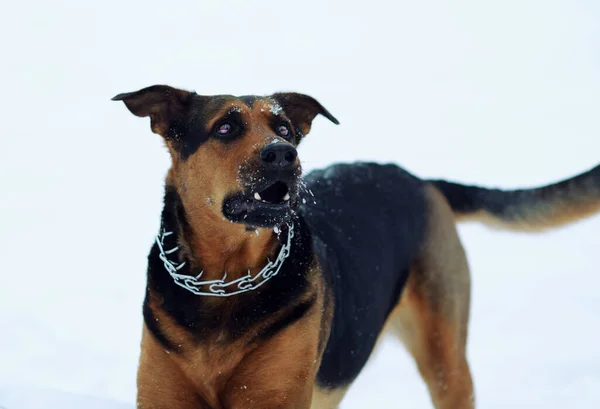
(275, 383)
(280, 373)
(161, 384)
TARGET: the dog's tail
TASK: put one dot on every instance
(533, 209)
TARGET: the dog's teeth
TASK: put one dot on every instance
(286, 197)
(257, 196)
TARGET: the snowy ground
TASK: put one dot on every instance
(497, 93)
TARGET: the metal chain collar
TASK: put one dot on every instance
(218, 288)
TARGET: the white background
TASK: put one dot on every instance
(501, 93)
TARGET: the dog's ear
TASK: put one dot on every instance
(163, 104)
(302, 109)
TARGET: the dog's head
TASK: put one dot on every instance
(236, 155)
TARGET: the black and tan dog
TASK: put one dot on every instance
(268, 290)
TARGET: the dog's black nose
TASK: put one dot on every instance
(278, 155)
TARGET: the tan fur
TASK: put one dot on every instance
(432, 315)
(279, 373)
(161, 384)
(536, 220)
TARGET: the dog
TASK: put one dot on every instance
(268, 289)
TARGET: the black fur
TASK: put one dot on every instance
(249, 99)
(466, 199)
(366, 223)
(292, 315)
(193, 126)
(154, 327)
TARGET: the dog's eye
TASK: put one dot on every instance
(283, 130)
(224, 129)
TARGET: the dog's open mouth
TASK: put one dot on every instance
(264, 207)
(277, 193)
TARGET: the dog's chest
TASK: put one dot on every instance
(211, 366)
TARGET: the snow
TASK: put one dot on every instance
(26, 397)
(234, 109)
(275, 108)
(502, 94)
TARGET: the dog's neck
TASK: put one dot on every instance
(210, 244)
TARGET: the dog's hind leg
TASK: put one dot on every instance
(433, 313)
